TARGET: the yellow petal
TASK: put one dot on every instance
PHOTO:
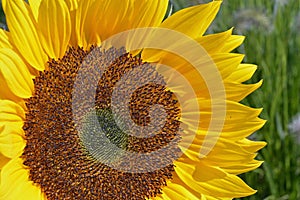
(11, 142)
(96, 21)
(207, 197)
(73, 39)
(23, 33)
(11, 112)
(211, 181)
(227, 63)
(233, 161)
(4, 39)
(3, 161)
(235, 157)
(221, 42)
(242, 168)
(236, 91)
(191, 73)
(243, 73)
(15, 73)
(224, 152)
(85, 19)
(158, 197)
(237, 112)
(149, 13)
(11, 133)
(72, 4)
(15, 183)
(12, 115)
(129, 15)
(245, 130)
(55, 27)
(232, 43)
(177, 191)
(231, 157)
(213, 43)
(251, 146)
(193, 21)
(35, 5)
(6, 93)
(240, 121)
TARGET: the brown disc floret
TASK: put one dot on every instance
(58, 160)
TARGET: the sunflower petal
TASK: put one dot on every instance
(236, 91)
(72, 4)
(243, 73)
(177, 191)
(232, 43)
(6, 93)
(11, 133)
(193, 21)
(35, 5)
(212, 181)
(207, 197)
(86, 17)
(3, 161)
(11, 142)
(54, 36)
(11, 112)
(73, 39)
(235, 126)
(15, 73)
(193, 74)
(148, 13)
(242, 168)
(251, 146)
(227, 62)
(230, 163)
(4, 41)
(234, 110)
(112, 17)
(214, 42)
(23, 33)
(232, 157)
(15, 183)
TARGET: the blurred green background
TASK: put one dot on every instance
(272, 30)
(2, 18)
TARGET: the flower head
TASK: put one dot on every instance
(105, 100)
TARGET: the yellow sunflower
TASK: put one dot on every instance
(108, 100)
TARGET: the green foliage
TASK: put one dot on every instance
(2, 17)
(272, 30)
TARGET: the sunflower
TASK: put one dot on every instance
(109, 100)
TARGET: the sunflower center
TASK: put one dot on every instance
(97, 140)
(69, 160)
